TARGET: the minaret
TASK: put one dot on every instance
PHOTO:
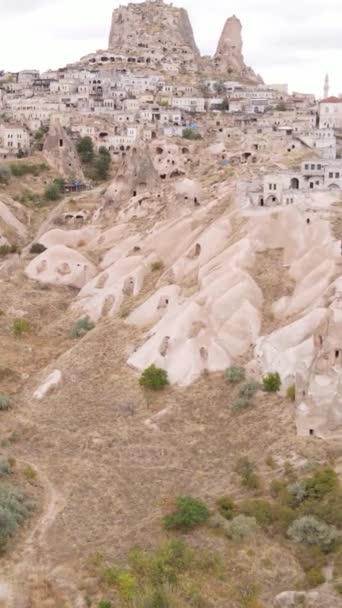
(326, 86)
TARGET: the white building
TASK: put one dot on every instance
(14, 138)
(330, 113)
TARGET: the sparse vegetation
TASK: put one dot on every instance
(7, 250)
(81, 327)
(96, 166)
(53, 192)
(189, 513)
(226, 507)
(21, 326)
(157, 266)
(291, 393)
(271, 383)
(85, 149)
(235, 375)
(247, 470)
(154, 378)
(5, 174)
(241, 404)
(241, 527)
(21, 169)
(14, 509)
(191, 134)
(5, 403)
(311, 531)
(249, 389)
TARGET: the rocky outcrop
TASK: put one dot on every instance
(151, 23)
(136, 177)
(312, 599)
(228, 56)
(61, 153)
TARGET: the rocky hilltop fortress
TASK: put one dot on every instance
(159, 36)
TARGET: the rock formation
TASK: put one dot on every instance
(61, 153)
(151, 23)
(228, 56)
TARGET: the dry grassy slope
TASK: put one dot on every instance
(106, 476)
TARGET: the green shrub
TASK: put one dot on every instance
(311, 531)
(276, 518)
(5, 467)
(322, 483)
(5, 403)
(104, 604)
(52, 192)
(81, 327)
(226, 507)
(189, 513)
(21, 326)
(248, 389)
(235, 375)
(297, 492)
(191, 134)
(14, 509)
(314, 578)
(241, 404)
(85, 149)
(123, 580)
(154, 378)
(5, 174)
(7, 249)
(164, 565)
(247, 470)
(102, 164)
(271, 383)
(157, 266)
(241, 527)
(21, 169)
(291, 393)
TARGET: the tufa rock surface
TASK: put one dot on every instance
(152, 23)
(228, 56)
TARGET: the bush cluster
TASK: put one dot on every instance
(21, 169)
(191, 134)
(21, 326)
(271, 383)
(189, 513)
(154, 378)
(14, 509)
(235, 375)
(97, 166)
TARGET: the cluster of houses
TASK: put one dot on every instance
(114, 105)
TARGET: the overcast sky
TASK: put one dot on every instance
(293, 41)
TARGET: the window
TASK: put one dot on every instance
(319, 167)
(270, 186)
(337, 175)
(306, 167)
(313, 167)
(274, 186)
(317, 183)
(331, 175)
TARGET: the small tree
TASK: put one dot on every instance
(190, 512)
(85, 148)
(154, 377)
(312, 531)
(248, 389)
(102, 164)
(271, 383)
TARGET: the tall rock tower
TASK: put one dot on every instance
(151, 24)
(228, 56)
(326, 86)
